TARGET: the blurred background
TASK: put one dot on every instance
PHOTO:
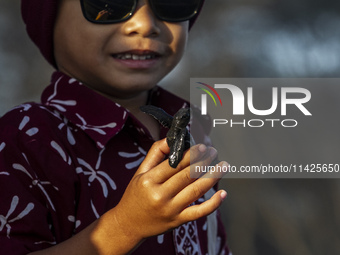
(244, 38)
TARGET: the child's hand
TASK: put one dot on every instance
(158, 196)
(156, 200)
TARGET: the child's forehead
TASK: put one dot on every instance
(40, 16)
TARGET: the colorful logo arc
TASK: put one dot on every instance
(209, 93)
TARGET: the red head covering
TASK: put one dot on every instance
(39, 17)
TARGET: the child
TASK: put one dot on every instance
(75, 175)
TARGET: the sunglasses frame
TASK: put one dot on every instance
(132, 11)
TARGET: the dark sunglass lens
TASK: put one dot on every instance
(175, 10)
(106, 11)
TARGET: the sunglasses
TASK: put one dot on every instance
(114, 11)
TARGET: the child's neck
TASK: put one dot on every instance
(133, 104)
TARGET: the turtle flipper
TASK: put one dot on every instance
(178, 137)
(159, 114)
(177, 149)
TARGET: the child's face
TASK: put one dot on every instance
(99, 55)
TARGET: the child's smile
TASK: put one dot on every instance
(118, 60)
(137, 55)
(138, 59)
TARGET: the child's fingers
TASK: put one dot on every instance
(197, 189)
(195, 212)
(155, 156)
(185, 177)
(195, 153)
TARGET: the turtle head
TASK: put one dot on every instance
(182, 117)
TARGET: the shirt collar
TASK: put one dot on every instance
(97, 115)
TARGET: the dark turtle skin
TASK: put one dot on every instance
(178, 136)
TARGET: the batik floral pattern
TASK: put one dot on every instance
(66, 161)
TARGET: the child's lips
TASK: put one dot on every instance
(138, 59)
(137, 55)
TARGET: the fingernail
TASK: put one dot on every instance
(223, 195)
(225, 164)
(202, 148)
(212, 152)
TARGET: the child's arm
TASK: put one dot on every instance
(156, 200)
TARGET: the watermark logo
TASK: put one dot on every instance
(268, 127)
(204, 96)
(243, 100)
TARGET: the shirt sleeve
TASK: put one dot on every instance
(23, 213)
(27, 207)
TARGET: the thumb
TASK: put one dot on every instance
(155, 156)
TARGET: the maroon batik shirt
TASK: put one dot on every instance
(68, 160)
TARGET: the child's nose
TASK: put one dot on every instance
(142, 22)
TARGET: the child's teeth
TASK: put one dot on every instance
(134, 56)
